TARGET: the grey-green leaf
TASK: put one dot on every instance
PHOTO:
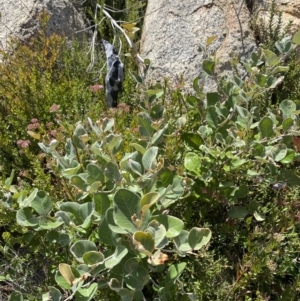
(42, 203)
(287, 107)
(26, 218)
(238, 212)
(149, 158)
(265, 127)
(127, 206)
(199, 237)
(80, 247)
(54, 294)
(145, 122)
(86, 294)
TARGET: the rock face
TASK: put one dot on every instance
(290, 11)
(173, 31)
(19, 18)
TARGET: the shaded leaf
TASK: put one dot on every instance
(238, 212)
(93, 257)
(192, 140)
(127, 205)
(208, 67)
(80, 247)
(86, 294)
(53, 295)
(137, 279)
(265, 127)
(119, 254)
(16, 296)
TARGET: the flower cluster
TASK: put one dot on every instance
(53, 133)
(23, 143)
(124, 107)
(34, 125)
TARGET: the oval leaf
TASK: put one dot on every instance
(208, 66)
(148, 200)
(287, 107)
(144, 242)
(42, 203)
(127, 206)
(16, 296)
(238, 212)
(149, 158)
(66, 272)
(199, 237)
(26, 218)
(172, 224)
(80, 247)
(265, 127)
(93, 257)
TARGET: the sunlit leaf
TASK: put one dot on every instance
(34, 135)
(296, 38)
(66, 272)
(210, 40)
(287, 107)
(199, 237)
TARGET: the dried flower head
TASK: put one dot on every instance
(96, 88)
(54, 108)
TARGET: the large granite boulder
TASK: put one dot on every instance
(173, 31)
(19, 18)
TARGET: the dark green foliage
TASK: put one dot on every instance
(46, 72)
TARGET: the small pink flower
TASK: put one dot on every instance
(33, 126)
(25, 143)
(53, 133)
(124, 107)
(95, 88)
(34, 120)
(54, 108)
